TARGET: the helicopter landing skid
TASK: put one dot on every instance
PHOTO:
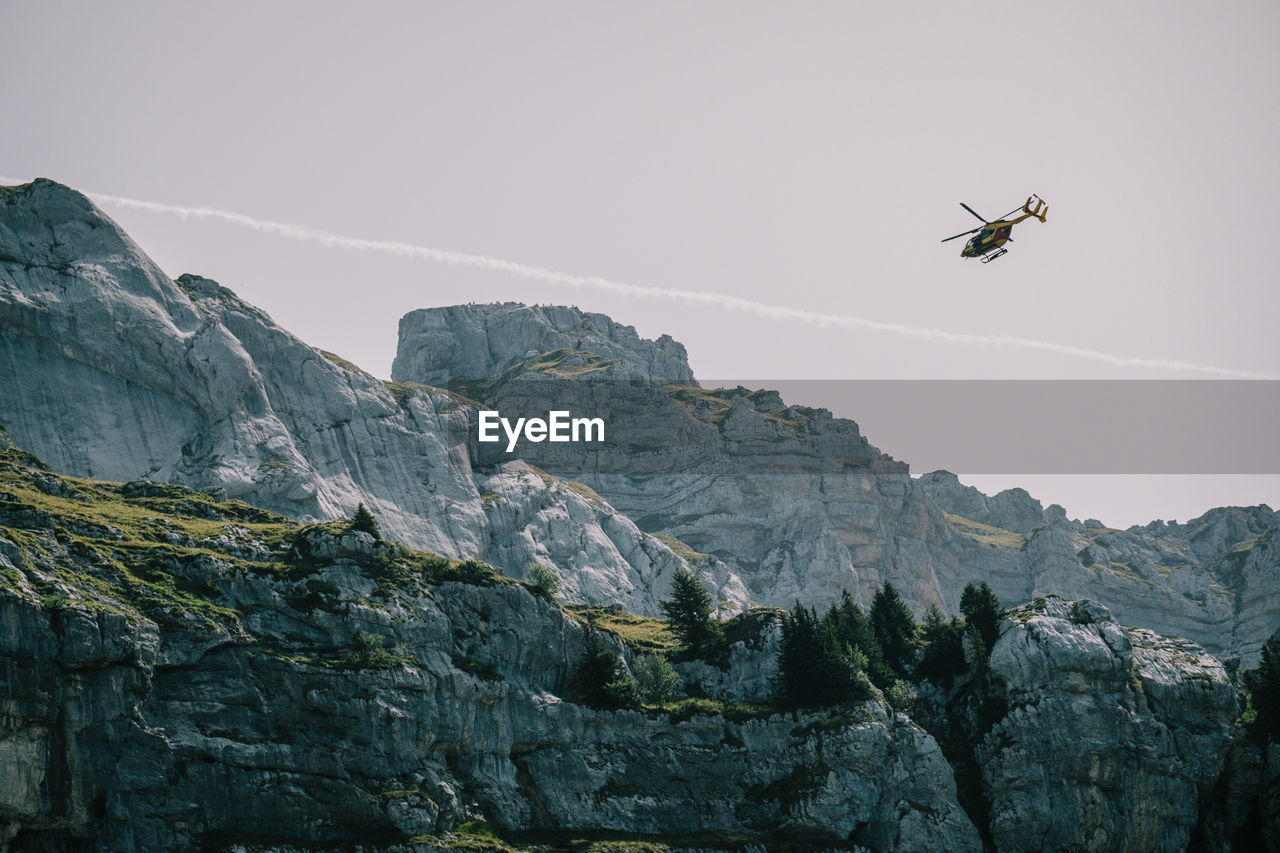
(996, 254)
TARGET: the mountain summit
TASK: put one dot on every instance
(469, 343)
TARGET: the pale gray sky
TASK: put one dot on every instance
(803, 155)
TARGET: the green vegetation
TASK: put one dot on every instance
(656, 678)
(601, 679)
(903, 697)
(689, 611)
(816, 669)
(344, 364)
(1125, 570)
(543, 581)
(583, 490)
(608, 841)
(942, 645)
(564, 363)
(642, 633)
(851, 627)
(364, 522)
(983, 613)
(1264, 694)
(371, 653)
(715, 403)
(895, 628)
(682, 550)
(167, 552)
(985, 533)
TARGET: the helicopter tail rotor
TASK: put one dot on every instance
(1041, 208)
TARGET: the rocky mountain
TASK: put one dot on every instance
(117, 372)
(189, 664)
(799, 505)
(184, 672)
(469, 343)
(122, 373)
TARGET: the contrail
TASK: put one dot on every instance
(717, 300)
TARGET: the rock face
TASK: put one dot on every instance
(468, 343)
(1012, 509)
(1111, 737)
(341, 690)
(799, 505)
(123, 374)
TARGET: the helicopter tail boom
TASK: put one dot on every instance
(1040, 211)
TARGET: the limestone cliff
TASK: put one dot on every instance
(114, 371)
(469, 343)
(800, 505)
(183, 673)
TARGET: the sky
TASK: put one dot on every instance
(770, 181)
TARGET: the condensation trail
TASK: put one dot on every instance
(696, 297)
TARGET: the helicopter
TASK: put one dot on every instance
(992, 235)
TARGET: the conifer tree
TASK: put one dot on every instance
(601, 680)
(943, 649)
(895, 628)
(852, 628)
(689, 611)
(364, 522)
(816, 668)
(981, 609)
(1265, 696)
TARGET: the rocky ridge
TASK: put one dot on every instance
(124, 374)
(799, 506)
(189, 673)
(205, 675)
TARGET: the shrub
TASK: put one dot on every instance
(371, 652)
(656, 678)
(545, 582)
(902, 697)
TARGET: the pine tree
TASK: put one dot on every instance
(815, 668)
(895, 628)
(852, 628)
(799, 660)
(1265, 697)
(943, 649)
(689, 611)
(364, 522)
(601, 680)
(982, 610)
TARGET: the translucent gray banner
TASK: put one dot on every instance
(1059, 426)
(970, 426)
